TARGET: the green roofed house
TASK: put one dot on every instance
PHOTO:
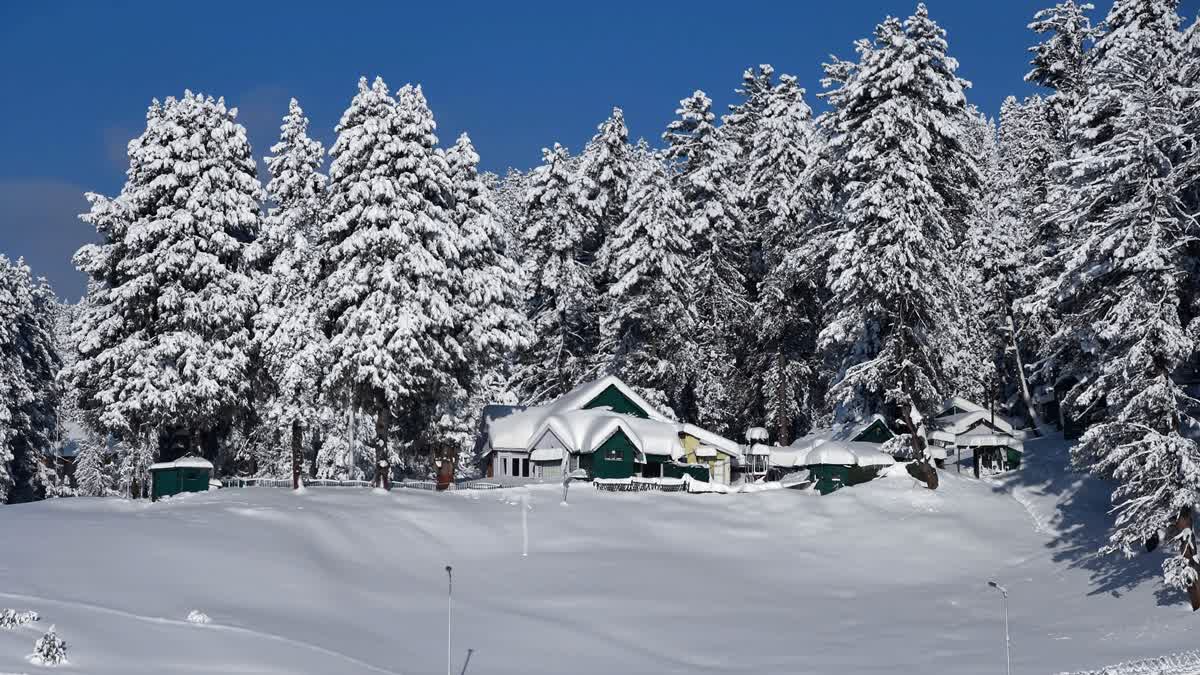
(606, 429)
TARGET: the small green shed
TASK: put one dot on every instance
(186, 474)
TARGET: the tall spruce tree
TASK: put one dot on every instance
(1060, 63)
(605, 174)
(1121, 292)
(646, 330)
(905, 174)
(561, 299)
(705, 165)
(29, 393)
(290, 343)
(165, 332)
(785, 367)
(384, 269)
(488, 300)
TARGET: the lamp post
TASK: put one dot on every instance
(1007, 640)
(449, 607)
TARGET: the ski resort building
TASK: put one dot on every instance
(988, 439)
(606, 429)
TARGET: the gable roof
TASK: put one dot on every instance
(583, 429)
(580, 397)
(846, 431)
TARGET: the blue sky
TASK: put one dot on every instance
(77, 76)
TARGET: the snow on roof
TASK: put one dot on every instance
(706, 451)
(962, 404)
(845, 453)
(874, 458)
(183, 462)
(831, 452)
(757, 434)
(709, 438)
(787, 456)
(546, 454)
(838, 432)
(962, 422)
(584, 430)
(586, 392)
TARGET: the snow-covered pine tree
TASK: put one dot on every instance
(1121, 290)
(645, 332)
(1059, 63)
(606, 170)
(489, 302)
(905, 175)
(560, 288)
(29, 392)
(740, 127)
(1018, 191)
(784, 365)
(165, 332)
(93, 473)
(704, 164)
(384, 265)
(291, 346)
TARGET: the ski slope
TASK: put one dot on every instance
(880, 578)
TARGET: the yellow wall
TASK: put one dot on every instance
(690, 443)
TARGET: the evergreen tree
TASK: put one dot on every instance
(906, 176)
(1060, 63)
(488, 300)
(705, 163)
(605, 173)
(29, 393)
(561, 289)
(785, 368)
(93, 474)
(1121, 292)
(165, 333)
(290, 343)
(646, 332)
(384, 265)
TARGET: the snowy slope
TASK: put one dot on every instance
(881, 578)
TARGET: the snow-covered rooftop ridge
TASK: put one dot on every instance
(587, 430)
(711, 439)
(584, 430)
(837, 432)
(844, 453)
(586, 392)
(184, 462)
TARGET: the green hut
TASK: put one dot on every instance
(186, 474)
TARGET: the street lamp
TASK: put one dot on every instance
(449, 608)
(1007, 640)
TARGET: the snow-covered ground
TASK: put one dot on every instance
(880, 578)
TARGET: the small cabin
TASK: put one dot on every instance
(186, 474)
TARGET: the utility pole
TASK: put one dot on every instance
(449, 609)
(1007, 640)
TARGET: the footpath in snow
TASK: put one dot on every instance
(885, 577)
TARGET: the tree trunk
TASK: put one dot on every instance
(1025, 395)
(383, 468)
(297, 442)
(1189, 552)
(921, 468)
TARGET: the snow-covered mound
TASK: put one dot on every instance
(881, 577)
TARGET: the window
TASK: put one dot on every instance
(524, 468)
(504, 462)
(614, 455)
